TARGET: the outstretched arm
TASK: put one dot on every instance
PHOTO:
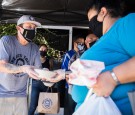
(10, 68)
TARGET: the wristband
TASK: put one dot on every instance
(114, 77)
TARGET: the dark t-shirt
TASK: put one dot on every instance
(46, 64)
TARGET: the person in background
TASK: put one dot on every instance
(46, 60)
(90, 40)
(18, 58)
(115, 47)
(70, 56)
(77, 51)
(38, 85)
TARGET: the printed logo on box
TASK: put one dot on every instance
(47, 103)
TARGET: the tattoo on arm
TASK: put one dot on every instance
(10, 68)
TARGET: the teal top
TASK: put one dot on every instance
(113, 48)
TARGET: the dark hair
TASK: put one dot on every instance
(75, 38)
(43, 45)
(114, 7)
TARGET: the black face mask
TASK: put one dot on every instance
(28, 34)
(96, 26)
(43, 53)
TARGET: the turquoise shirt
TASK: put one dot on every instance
(113, 48)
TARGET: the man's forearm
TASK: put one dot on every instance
(126, 71)
(9, 68)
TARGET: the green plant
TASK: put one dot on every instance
(41, 38)
(7, 29)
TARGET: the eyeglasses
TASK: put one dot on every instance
(79, 43)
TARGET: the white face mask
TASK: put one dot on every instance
(80, 47)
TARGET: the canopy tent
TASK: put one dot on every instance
(50, 12)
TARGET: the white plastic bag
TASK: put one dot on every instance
(94, 105)
(85, 72)
(131, 96)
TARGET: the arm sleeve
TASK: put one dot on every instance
(38, 61)
(4, 51)
(72, 59)
(65, 62)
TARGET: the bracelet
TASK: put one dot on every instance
(114, 77)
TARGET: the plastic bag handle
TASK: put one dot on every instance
(90, 92)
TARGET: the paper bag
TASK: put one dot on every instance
(48, 103)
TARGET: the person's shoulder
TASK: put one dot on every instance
(129, 17)
(70, 51)
(127, 22)
(7, 38)
(35, 46)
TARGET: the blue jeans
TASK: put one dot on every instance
(37, 87)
